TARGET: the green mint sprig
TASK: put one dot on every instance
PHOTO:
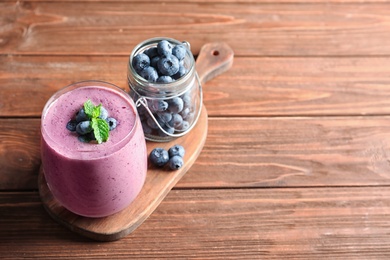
(100, 127)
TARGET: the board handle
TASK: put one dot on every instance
(214, 59)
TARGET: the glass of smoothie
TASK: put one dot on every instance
(89, 178)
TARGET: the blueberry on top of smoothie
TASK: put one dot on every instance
(92, 123)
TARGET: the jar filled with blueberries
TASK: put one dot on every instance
(165, 88)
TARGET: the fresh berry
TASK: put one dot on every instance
(103, 113)
(84, 138)
(180, 73)
(168, 129)
(176, 121)
(146, 128)
(187, 99)
(164, 79)
(151, 52)
(81, 116)
(175, 105)
(71, 125)
(84, 127)
(168, 65)
(159, 157)
(151, 123)
(185, 112)
(165, 116)
(176, 162)
(184, 126)
(176, 150)
(149, 73)
(159, 105)
(164, 48)
(112, 123)
(179, 51)
(153, 61)
(140, 62)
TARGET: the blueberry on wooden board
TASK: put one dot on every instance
(176, 150)
(176, 162)
(159, 157)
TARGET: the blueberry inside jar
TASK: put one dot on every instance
(165, 87)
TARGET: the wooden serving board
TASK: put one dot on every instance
(213, 59)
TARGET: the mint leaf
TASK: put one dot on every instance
(101, 129)
(96, 111)
(99, 126)
(89, 108)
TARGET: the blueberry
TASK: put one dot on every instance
(176, 150)
(159, 105)
(180, 73)
(187, 100)
(84, 138)
(81, 116)
(151, 52)
(153, 61)
(142, 110)
(164, 48)
(168, 65)
(151, 123)
(179, 51)
(167, 129)
(103, 113)
(164, 79)
(149, 73)
(140, 62)
(190, 117)
(176, 121)
(159, 157)
(175, 105)
(112, 123)
(84, 127)
(176, 162)
(71, 125)
(185, 112)
(146, 128)
(184, 126)
(165, 116)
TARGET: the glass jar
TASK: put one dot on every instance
(167, 110)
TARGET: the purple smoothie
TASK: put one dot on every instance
(90, 179)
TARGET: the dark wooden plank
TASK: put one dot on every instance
(277, 152)
(19, 154)
(326, 223)
(251, 29)
(252, 87)
(247, 152)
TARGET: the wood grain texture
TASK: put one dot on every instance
(251, 152)
(252, 87)
(300, 152)
(19, 153)
(326, 223)
(104, 28)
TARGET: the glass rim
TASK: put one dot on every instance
(86, 84)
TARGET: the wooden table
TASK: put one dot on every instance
(297, 159)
